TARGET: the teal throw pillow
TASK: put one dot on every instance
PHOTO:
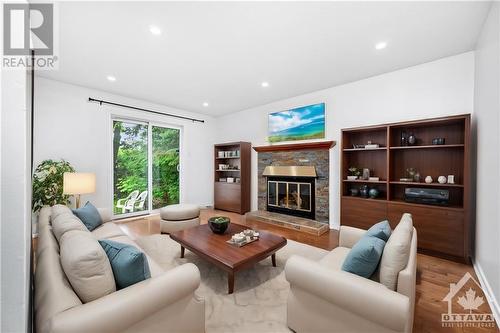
(364, 256)
(89, 215)
(380, 230)
(129, 265)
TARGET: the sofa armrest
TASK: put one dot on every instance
(117, 311)
(349, 236)
(362, 297)
(105, 214)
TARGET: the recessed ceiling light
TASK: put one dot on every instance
(265, 84)
(155, 30)
(111, 78)
(205, 104)
(381, 45)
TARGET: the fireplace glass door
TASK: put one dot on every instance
(289, 195)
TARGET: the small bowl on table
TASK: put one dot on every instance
(219, 224)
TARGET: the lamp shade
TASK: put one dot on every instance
(78, 183)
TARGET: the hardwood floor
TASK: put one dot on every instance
(434, 275)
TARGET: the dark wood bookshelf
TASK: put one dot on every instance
(232, 196)
(443, 231)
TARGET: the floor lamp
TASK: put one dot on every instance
(78, 183)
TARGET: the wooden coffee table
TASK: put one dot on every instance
(213, 248)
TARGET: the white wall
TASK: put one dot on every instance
(68, 127)
(15, 202)
(487, 127)
(438, 88)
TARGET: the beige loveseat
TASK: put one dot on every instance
(164, 303)
(323, 298)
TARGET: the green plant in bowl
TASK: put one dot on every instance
(218, 224)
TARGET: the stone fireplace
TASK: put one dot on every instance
(293, 179)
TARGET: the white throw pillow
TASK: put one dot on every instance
(65, 222)
(86, 265)
(396, 253)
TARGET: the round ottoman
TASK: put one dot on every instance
(179, 217)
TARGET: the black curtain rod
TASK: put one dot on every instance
(101, 102)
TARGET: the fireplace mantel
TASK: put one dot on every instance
(296, 146)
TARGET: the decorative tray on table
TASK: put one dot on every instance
(243, 238)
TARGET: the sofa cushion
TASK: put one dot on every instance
(89, 215)
(396, 252)
(65, 222)
(180, 212)
(57, 210)
(86, 265)
(107, 230)
(154, 268)
(335, 258)
(364, 256)
(381, 230)
(129, 265)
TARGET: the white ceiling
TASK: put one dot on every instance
(220, 52)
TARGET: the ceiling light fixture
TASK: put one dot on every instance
(155, 30)
(380, 45)
(205, 104)
(111, 78)
(265, 84)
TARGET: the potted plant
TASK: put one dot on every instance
(219, 224)
(48, 184)
(354, 173)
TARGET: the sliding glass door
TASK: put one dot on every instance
(145, 167)
(165, 154)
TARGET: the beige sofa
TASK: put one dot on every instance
(164, 303)
(323, 298)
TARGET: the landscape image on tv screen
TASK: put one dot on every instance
(304, 123)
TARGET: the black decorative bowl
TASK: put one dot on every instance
(219, 224)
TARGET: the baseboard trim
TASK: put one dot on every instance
(488, 292)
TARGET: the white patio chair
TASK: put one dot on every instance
(123, 203)
(138, 203)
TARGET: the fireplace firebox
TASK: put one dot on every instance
(291, 195)
(291, 190)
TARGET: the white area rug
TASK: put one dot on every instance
(258, 303)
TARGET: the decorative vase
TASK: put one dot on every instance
(417, 177)
(354, 192)
(219, 224)
(366, 173)
(442, 180)
(404, 139)
(428, 179)
(363, 191)
(352, 177)
(412, 139)
(373, 193)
